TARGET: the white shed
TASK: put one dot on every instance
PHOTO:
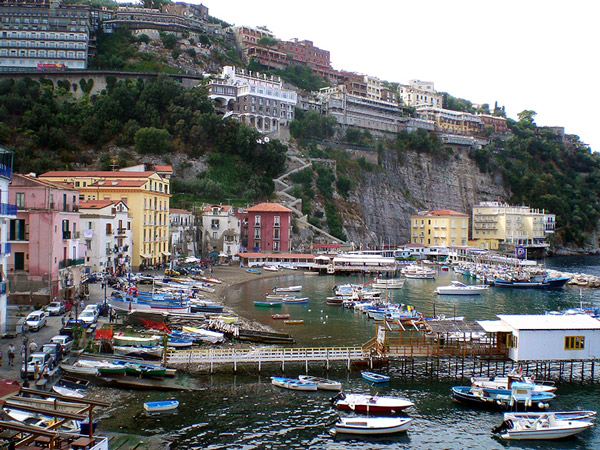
(552, 337)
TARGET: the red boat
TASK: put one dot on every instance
(370, 404)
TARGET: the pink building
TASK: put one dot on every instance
(45, 236)
(266, 228)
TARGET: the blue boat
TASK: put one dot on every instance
(164, 405)
(373, 377)
(543, 283)
(521, 396)
(254, 271)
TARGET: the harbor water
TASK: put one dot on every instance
(244, 411)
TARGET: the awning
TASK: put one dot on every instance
(166, 253)
(144, 256)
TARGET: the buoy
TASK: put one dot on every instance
(541, 405)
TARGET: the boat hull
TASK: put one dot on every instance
(487, 398)
(372, 425)
(293, 384)
(160, 406)
(367, 404)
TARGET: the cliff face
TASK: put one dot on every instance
(383, 201)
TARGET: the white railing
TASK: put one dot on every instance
(217, 356)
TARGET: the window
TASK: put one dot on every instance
(20, 200)
(511, 341)
(256, 234)
(574, 342)
(275, 246)
(17, 230)
(276, 233)
(257, 221)
(276, 221)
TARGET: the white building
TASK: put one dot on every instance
(258, 100)
(418, 93)
(182, 232)
(106, 228)
(221, 231)
(548, 337)
(7, 212)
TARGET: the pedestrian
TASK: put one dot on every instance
(33, 346)
(23, 352)
(36, 371)
(11, 354)
(82, 305)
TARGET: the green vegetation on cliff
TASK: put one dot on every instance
(48, 129)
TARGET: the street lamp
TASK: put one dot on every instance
(25, 374)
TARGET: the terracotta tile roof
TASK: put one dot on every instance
(441, 212)
(269, 207)
(178, 211)
(95, 174)
(47, 183)
(275, 255)
(163, 168)
(9, 387)
(95, 204)
(209, 208)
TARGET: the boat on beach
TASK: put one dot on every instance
(294, 384)
(545, 426)
(373, 377)
(324, 384)
(370, 404)
(255, 271)
(372, 425)
(67, 392)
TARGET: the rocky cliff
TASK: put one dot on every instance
(380, 207)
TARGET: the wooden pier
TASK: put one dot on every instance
(210, 357)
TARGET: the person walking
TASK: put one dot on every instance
(33, 346)
(63, 321)
(11, 355)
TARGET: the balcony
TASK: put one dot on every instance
(8, 210)
(70, 262)
(76, 234)
(66, 235)
(5, 249)
(120, 231)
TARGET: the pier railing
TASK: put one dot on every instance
(265, 355)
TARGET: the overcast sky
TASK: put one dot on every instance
(526, 54)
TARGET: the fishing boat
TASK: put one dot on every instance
(533, 283)
(267, 337)
(159, 406)
(271, 268)
(545, 426)
(73, 382)
(505, 382)
(521, 396)
(295, 300)
(391, 283)
(374, 377)
(255, 271)
(372, 425)
(287, 289)
(294, 384)
(458, 288)
(324, 384)
(293, 322)
(268, 304)
(280, 316)
(370, 404)
(141, 369)
(67, 392)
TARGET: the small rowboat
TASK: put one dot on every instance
(268, 304)
(292, 300)
(294, 384)
(67, 392)
(165, 405)
(370, 404)
(322, 383)
(256, 271)
(294, 322)
(373, 377)
(280, 316)
(372, 425)
(287, 289)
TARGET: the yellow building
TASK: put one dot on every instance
(145, 192)
(516, 225)
(439, 227)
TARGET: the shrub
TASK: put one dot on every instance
(169, 40)
(152, 140)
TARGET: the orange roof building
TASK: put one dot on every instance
(443, 227)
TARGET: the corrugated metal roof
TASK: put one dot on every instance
(494, 326)
(551, 322)
(454, 326)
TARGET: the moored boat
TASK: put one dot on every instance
(563, 415)
(269, 304)
(280, 316)
(374, 377)
(545, 426)
(390, 283)
(295, 300)
(287, 289)
(293, 322)
(372, 425)
(324, 384)
(370, 404)
(505, 382)
(159, 406)
(458, 288)
(294, 384)
(521, 396)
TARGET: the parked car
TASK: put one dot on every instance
(71, 323)
(102, 308)
(171, 273)
(55, 350)
(89, 316)
(55, 308)
(36, 320)
(45, 361)
(65, 341)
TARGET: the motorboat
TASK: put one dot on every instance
(373, 377)
(370, 404)
(533, 283)
(458, 288)
(505, 382)
(294, 384)
(545, 426)
(159, 406)
(521, 396)
(287, 289)
(324, 384)
(271, 268)
(390, 283)
(295, 300)
(372, 425)
(562, 415)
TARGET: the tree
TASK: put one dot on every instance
(267, 41)
(152, 140)
(526, 117)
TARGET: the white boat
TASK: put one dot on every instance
(372, 425)
(504, 382)
(287, 289)
(546, 426)
(67, 392)
(271, 268)
(159, 406)
(563, 415)
(418, 272)
(390, 283)
(294, 384)
(324, 384)
(458, 288)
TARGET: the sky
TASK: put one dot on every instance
(525, 55)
